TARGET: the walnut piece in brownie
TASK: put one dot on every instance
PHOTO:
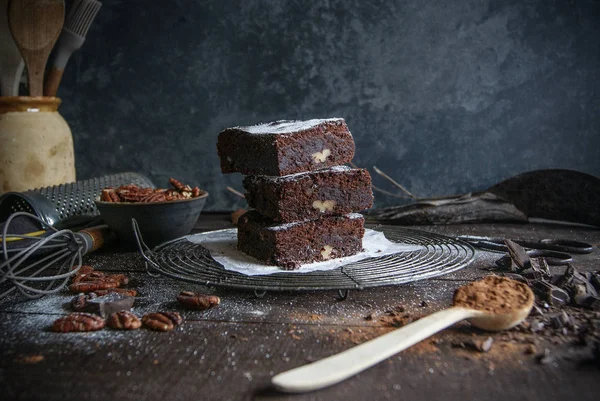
(307, 196)
(292, 244)
(285, 147)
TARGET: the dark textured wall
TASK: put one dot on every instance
(445, 96)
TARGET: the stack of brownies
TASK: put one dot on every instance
(304, 198)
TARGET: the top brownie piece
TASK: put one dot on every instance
(285, 147)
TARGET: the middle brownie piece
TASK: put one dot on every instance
(308, 196)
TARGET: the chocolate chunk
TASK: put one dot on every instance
(591, 303)
(550, 293)
(508, 264)
(80, 301)
(531, 349)
(566, 319)
(103, 306)
(596, 353)
(595, 280)
(558, 321)
(518, 254)
(540, 265)
(583, 293)
(536, 326)
(546, 357)
(571, 277)
(486, 345)
(536, 311)
(476, 344)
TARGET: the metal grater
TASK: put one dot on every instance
(64, 203)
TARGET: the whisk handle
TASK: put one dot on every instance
(93, 238)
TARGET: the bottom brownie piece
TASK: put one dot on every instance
(292, 244)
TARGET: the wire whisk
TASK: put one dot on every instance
(38, 259)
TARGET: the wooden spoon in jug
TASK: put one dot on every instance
(35, 26)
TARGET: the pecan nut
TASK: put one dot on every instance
(154, 197)
(75, 322)
(109, 195)
(123, 320)
(92, 286)
(162, 321)
(122, 279)
(191, 300)
(320, 157)
(83, 271)
(174, 316)
(179, 186)
(172, 194)
(131, 195)
(89, 280)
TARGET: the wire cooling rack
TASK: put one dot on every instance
(438, 255)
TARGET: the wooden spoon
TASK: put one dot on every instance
(35, 26)
(11, 62)
(337, 368)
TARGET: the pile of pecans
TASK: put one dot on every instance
(90, 284)
(133, 194)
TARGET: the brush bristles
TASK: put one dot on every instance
(81, 16)
(72, 9)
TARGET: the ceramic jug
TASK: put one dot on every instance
(36, 144)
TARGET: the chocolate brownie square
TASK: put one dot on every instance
(292, 244)
(310, 195)
(285, 147)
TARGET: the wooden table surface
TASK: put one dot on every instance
(230, 352)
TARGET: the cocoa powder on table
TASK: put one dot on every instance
(494, 294)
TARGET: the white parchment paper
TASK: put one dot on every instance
(222, 245)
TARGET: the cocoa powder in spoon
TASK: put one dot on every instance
(493, 294)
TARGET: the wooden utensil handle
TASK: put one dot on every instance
(94, 237)
(53, 81)
(35, 75)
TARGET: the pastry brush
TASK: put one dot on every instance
(76, 27)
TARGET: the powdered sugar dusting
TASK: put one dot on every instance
(286, 126)
(337, 168)
(291, 177)
(285, 226)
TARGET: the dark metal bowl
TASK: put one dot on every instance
(158, 222)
